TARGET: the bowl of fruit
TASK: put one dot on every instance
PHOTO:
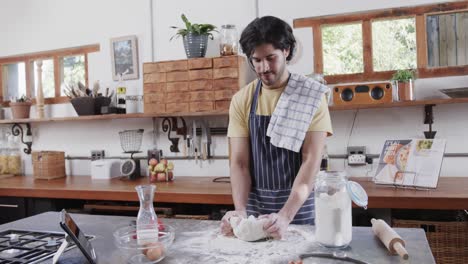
(138, 249)
(160, 171)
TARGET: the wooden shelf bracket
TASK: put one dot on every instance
(17, 130)
(429, 120)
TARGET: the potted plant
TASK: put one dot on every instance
(20, 107)
(195, 37)
(404, 84)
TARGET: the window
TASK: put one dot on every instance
(19, 74)
(72, 69)
(342, 49)
(447, 39)
(13, 80)
(433, 39)
(394, 44)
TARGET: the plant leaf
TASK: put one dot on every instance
(188, 25)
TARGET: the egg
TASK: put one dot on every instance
(154, 251)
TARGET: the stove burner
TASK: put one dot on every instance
(23, 246)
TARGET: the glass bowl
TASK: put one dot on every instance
(125, 239)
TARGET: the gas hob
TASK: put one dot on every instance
(24, 246)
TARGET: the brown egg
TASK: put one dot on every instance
(155, 251)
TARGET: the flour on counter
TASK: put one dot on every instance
(212, 247)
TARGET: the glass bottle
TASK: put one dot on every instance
(14, 156)
(229, 40)
(147, 221)
(333, 219)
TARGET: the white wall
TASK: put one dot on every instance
(30, 26)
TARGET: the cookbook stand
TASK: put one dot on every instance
(398, 181)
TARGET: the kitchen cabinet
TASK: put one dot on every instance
(193, 85)
(11, 209)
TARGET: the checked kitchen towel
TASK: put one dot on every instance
(294, 112)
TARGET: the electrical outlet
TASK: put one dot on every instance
(97, 154)
(357, 155)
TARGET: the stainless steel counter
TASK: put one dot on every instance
(200, 242)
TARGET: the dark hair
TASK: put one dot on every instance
(268, 30)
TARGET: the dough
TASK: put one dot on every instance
(248, 229)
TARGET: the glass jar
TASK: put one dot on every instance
(14, 157)
(3, 154)
(333, 219)
(229, 40)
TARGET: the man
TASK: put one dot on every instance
(273, 173)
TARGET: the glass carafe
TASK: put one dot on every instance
(147, 221)
(333, 219)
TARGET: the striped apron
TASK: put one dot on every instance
(273, 171)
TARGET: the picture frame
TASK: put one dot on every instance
(124, 56)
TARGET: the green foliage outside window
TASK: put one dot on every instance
(342, 49)
(394, 44)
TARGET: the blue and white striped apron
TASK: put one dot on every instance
(273, 171)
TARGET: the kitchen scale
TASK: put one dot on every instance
(130, 141)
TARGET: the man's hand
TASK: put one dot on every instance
(276, 225)
(226, 228)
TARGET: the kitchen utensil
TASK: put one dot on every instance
(389, 238)
(335, 255)
(196, 143)
(125, 239)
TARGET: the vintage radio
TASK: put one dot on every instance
(371, 93)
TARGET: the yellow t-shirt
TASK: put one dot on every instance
(240, 109)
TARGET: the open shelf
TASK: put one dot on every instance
(106, 117)
(401, 104)
(224, 113)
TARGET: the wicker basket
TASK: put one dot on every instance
(448, 240)
(48, 164)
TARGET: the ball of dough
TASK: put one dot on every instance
(248, 229)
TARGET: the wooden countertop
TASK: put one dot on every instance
(200, 190)
(451, 193)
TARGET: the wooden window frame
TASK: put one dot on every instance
(419, 12)
(55, 55)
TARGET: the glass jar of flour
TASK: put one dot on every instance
(333, 218)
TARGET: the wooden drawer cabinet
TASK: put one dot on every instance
(194, 85)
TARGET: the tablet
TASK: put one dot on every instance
(78, 237)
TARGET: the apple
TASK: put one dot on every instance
(153, 177)
(153, 162)
(161, 176)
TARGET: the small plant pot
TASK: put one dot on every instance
(83, 105)
(20, 110)
(99, 102)
(405, 91)
(195, 45)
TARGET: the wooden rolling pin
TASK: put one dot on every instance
(389, 238)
